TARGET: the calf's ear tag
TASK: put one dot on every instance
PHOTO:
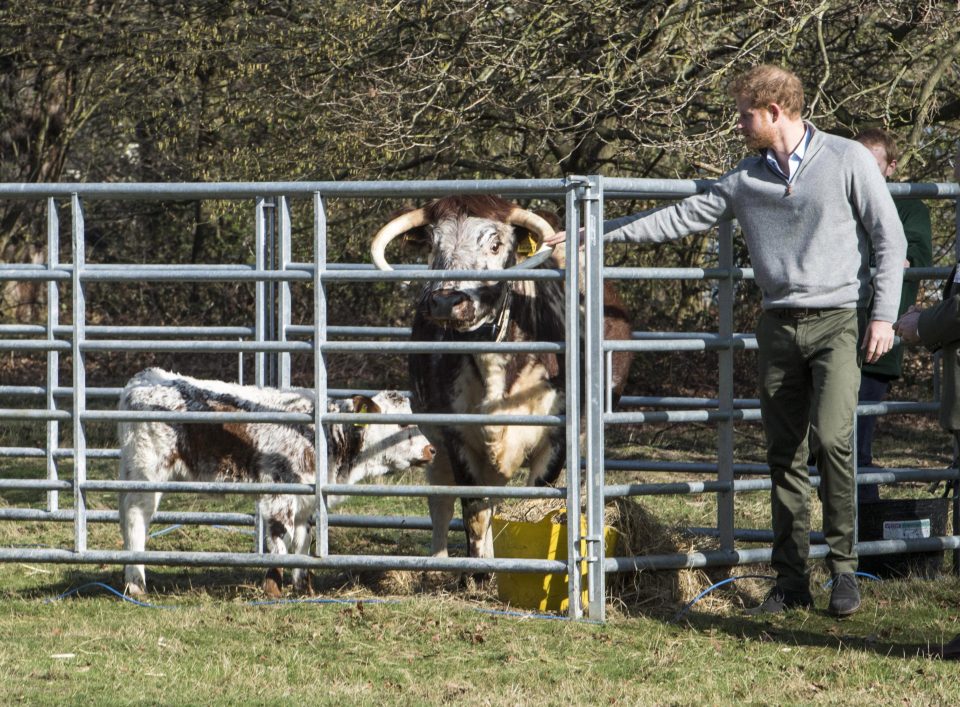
(364, 408)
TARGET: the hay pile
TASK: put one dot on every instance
(641, 533)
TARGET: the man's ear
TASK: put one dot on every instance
(891, 168)
(775, 111)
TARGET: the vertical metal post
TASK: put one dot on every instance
(263, 363)
(260, 293)
(725, 499)
(593, 390)
(284, 295)
(79, 377)
(572, 402)
(53, 356)
(321, 517)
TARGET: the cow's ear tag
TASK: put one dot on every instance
(529, 247)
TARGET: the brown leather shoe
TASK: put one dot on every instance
(778, 600)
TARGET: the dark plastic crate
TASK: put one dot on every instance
(928, 515)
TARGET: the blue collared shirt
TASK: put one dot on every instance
(796, 157)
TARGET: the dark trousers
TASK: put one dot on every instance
(872, 389)
(809, 377)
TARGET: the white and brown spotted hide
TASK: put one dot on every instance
(475, 233)
(250, 452)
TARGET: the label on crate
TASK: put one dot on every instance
(906, 529)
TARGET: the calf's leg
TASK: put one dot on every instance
(136, 511)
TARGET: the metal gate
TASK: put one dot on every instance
(272, 338)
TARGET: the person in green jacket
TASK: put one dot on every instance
(875, 378)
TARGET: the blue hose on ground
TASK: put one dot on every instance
(701, 595)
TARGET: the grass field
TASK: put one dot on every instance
(207, 636)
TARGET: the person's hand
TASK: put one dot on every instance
(907, 327)
(559, 237)
(556, 239)
(877, 340)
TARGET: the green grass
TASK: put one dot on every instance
(216, 648)
(216, 642)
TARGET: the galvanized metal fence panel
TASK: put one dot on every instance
(272, 338)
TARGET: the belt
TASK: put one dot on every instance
(801, 312)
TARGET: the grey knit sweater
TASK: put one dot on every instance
(808, 245)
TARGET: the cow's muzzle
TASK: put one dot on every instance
(449, 305)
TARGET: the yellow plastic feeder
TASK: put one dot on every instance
(544, 539)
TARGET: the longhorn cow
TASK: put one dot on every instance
(480, 232)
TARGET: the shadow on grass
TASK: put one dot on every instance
(837, 635)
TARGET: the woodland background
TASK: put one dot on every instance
(244, 90)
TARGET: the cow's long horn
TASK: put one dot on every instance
(401, 224)
(540, 228)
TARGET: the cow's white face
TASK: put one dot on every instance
(469, 243)
(387, 447)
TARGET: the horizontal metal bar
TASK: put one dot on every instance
(713, 274)
(326, 418)
(673, 402)
(720, 558)
(741, 342)
(864, 477)
(289, 418)
(624, 273)
(231, 519)
(637, 418)
(887, 407)
(197, 346)
(684, 467)
(157, 191)
(227, 487)
(332, 562)
(114, 393)
(33, 345)
(246, 273)
(160, 518)
(34, 484)
(18, 414)
(660, 189)
(60, 453)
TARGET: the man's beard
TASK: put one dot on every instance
(761, 139)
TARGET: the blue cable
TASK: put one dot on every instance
(709, 589)
(706, 591)
(110, 589)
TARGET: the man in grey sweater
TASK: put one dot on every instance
(810, 205)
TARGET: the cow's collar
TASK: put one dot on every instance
(496, 330)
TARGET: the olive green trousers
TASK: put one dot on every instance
(809, 374)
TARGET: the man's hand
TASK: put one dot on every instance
(877, 340)
(559, 237)
(907, 327)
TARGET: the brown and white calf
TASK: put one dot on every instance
(250, 452)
